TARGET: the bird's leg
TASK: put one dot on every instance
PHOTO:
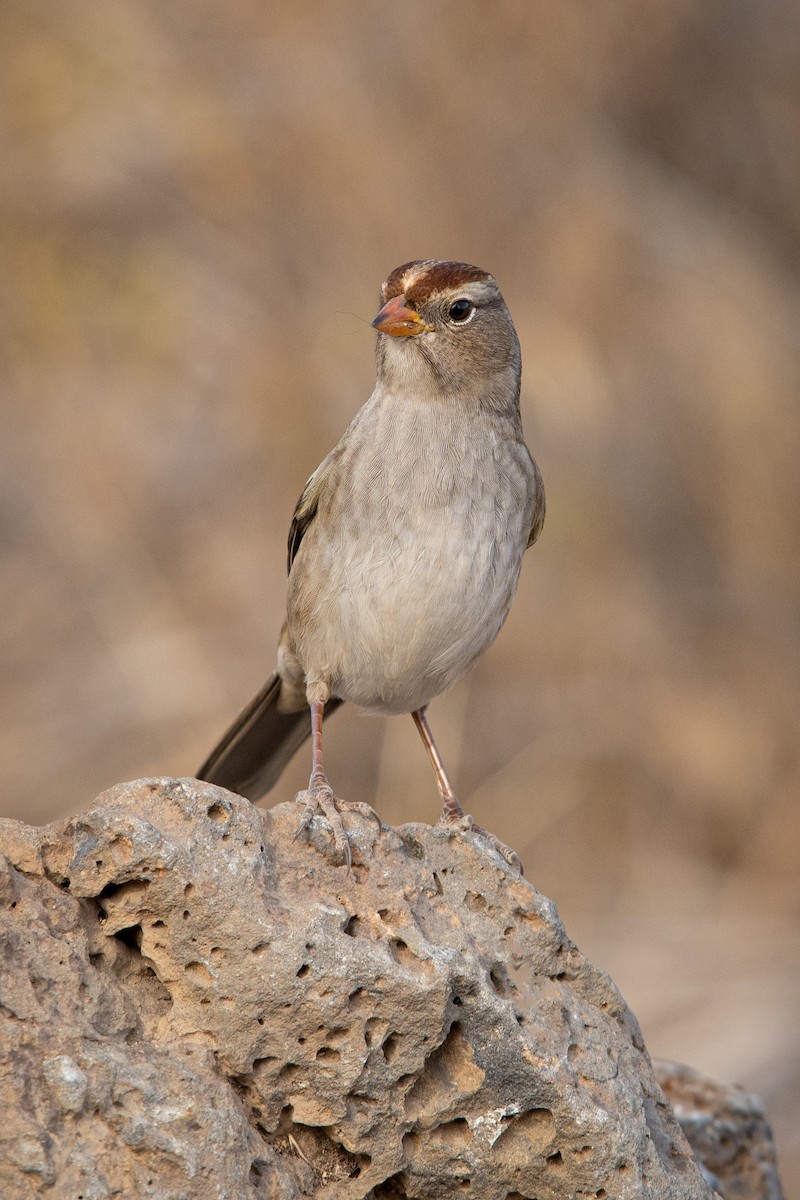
(320, 795)
(452, 813)
(451, 806)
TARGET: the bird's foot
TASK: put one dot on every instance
(456, 818)
(319, 796)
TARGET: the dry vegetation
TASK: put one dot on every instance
(199, 201)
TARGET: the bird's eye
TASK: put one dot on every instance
(460, 310)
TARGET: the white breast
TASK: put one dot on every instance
(408, 570)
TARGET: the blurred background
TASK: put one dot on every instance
(199, 202)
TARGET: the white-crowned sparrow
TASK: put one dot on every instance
(407, 542)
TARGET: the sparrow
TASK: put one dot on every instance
(406, 544)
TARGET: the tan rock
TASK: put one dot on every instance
(193, 1004)
(728, 1131)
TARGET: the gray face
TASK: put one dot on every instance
(459, 336)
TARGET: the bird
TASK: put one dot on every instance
(406, 544)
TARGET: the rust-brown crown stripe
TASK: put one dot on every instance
(428, 276)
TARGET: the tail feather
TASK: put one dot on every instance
(253, 753)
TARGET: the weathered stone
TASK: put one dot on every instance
(728, 1131)
(195, 1004)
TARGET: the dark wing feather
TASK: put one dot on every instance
(304, 513)
(538, 505)
(325, 477)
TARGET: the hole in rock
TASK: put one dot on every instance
(475, 902)
(527, 915)
(260, 1065)
(257, 1170)
(411, 1143)
(200, 973)
(327, 1054)
(498, 979)
(555, 1159)
(533, 1130)
(329, 1159)
(391, 1189)
(217, 813)
(450, 1073)
(132, 936)
(391, 1047)
(303, 971)
(285, 1119)
(355, 927)
(405, 957)
(454, 1133)
(260, 949)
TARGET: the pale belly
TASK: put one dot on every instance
(407, 571)
(392, 622)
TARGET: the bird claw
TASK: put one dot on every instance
(320, 796)
(467, 825)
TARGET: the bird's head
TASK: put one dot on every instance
(444, 326)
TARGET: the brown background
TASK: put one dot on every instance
(199, 201)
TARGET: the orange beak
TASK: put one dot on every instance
(399, 321)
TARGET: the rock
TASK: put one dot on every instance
(194, 1004)
(728, 1131)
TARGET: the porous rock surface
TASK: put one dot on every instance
(193, 1004)
(728, 1131)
